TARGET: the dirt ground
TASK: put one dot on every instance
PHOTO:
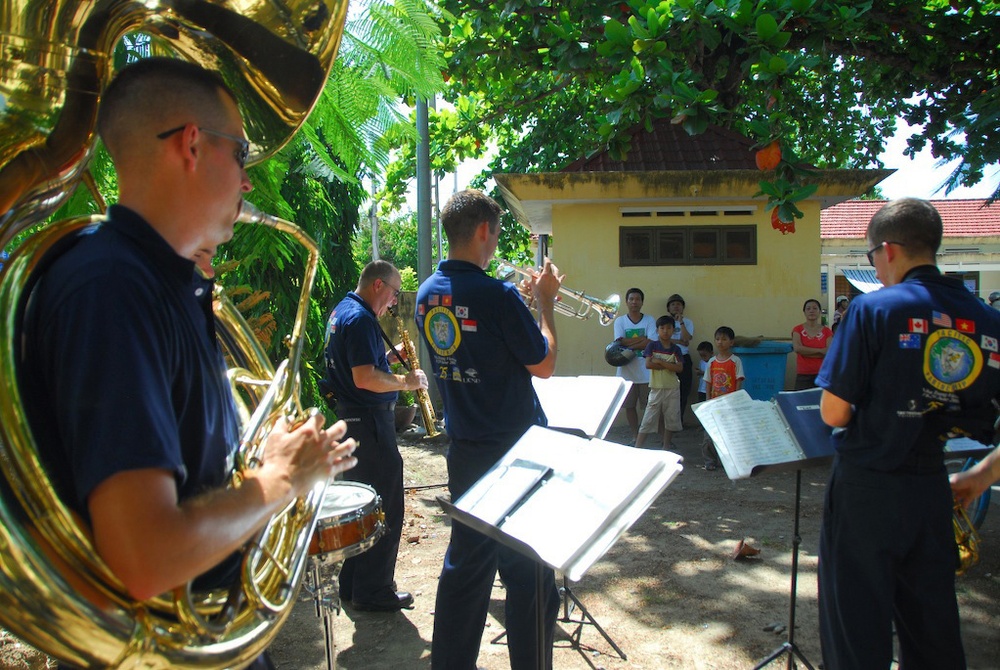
(668, 594)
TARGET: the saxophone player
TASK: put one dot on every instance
(126, 384)
(357, 371)
(911, 364)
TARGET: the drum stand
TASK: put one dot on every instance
(327, 602)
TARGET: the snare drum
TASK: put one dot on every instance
(350, 521)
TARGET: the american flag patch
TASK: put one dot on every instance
(432, 300)
(988, 343)
(965, 325)
(469, 325)
(918, 326)
(909, 341)
(940, 319)
(461, 311)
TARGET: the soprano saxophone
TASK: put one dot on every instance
(423, 398)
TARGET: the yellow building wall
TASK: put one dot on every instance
(755, 300)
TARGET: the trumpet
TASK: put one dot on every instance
(606, 309)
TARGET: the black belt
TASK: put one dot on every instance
(382, 406)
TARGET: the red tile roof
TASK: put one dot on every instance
(962, 218)
(669, 147)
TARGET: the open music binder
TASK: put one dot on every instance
(585, 405)
(750, 435)
(567, 498)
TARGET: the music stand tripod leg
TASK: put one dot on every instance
(789, 645)
(585, 619)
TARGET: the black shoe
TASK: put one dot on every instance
(391, 602)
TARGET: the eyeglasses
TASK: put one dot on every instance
(871, 252)
(395, 291)
(241, 154)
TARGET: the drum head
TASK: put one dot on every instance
(344, 497)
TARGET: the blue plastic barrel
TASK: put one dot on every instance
(764, 368)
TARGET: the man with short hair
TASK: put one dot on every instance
(125, 384)
(915, 363)
(485, 347)
(357, 371)
(635, 331)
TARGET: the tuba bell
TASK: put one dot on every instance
(55, 60)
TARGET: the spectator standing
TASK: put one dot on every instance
(723, 374)
(810, 341)
(838, 313)
(683, 334)
(705, 353)
(635, 331)
(663, 359)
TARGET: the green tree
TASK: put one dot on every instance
(388, 53)
(548, 82)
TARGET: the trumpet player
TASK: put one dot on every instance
(485, 346)
(357, 371)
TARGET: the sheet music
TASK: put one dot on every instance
(747, 433)
(587, 403)
(592, 484)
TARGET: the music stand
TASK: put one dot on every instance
(586, 406)
(752, 437)
(789, 645)
(548, 476)
(498, 535)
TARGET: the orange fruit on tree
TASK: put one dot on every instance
(780, 224)
(768, 157)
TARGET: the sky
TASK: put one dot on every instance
(922, 178)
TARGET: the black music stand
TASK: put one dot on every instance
(585, 406)
(524, 500)
(570, 603)
(789, 645)
(494, 533)
(752, 437)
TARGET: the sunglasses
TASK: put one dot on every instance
(241, 154)
(871, 252)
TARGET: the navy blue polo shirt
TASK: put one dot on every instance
(353, 338)
(919, 361)
(481, 337)
(122, 368)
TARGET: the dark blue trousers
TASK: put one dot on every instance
(887, 555)
(463, 597)
(380, 465)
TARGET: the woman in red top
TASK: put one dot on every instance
(810, 341)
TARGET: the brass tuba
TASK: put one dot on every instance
(55, 60)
